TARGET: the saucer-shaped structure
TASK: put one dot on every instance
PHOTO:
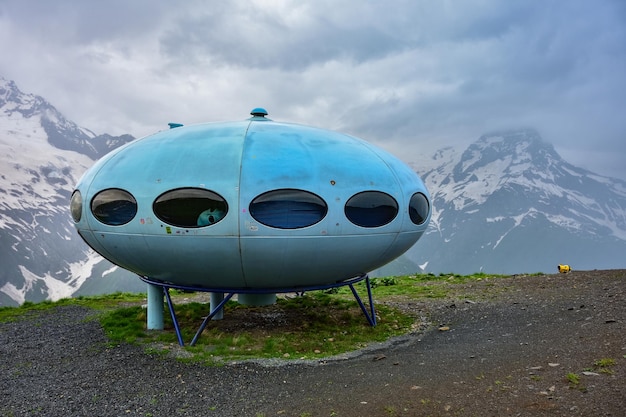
(252, 204)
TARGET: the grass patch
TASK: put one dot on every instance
(604, 365)
(97, 302)
(573, 379)
(418, 286)
(312, 326)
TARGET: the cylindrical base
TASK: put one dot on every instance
(216, 298)
(155, 307)
(256, 299)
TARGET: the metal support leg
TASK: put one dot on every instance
(170, 305)
(371, 315)
(214, 311)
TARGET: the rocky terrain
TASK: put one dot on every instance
(542, 345)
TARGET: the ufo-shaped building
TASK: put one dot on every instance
(251, 204)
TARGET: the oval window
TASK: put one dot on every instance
(114, 206)
(190, 207)
(418, 208)
(371, 209)
(76, 206)
(288, 209)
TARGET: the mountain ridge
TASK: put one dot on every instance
(512, 181)
(41, 254)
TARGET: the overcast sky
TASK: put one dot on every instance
(410, 76)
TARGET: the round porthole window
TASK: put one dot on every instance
(418, 208)
(288, 208)
(190, 207)
(114, 207)
(76, 206)
(371, 209)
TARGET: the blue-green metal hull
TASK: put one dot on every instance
(240, 161)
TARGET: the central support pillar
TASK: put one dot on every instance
(216, 299)
(249, 299)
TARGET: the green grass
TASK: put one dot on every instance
(317, 325)
(604, 362)
(573, 379)
(604, 365)
(419, 285)
(97, 302)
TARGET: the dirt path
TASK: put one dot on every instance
(507, 347)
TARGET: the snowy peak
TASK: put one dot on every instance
(13, 100)
(520, 156)
(59, 132)
(514, 160)
(510, 197)
(521, 151)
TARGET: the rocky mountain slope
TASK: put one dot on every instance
(42, 155)
(509, 204)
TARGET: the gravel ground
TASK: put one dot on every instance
(497, 347)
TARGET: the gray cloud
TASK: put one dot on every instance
(262, 37)
(409, 75)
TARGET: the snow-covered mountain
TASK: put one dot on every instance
(42, 155)
(510, 204)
